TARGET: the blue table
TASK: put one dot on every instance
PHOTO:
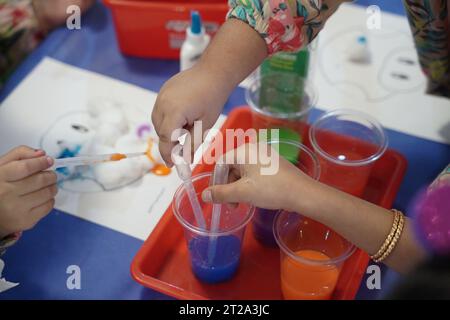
(39, 261)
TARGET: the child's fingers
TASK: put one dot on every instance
(41, 211)
(35, 182)
(20, 169)
(21, 153)
(37, 198)
(227, 193)
(169, 124)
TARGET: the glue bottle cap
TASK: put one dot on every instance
(196, 22)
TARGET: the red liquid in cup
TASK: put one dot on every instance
(348, 178)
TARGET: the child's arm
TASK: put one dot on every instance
(360, 222)
(254, 29)
(198, 94)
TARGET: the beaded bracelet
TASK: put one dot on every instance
(388, 238)
(397, 236)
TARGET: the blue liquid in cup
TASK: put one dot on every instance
(223, 265)
(263, 227)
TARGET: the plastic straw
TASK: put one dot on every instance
(185, 173)
(92, 159)
(220, 176)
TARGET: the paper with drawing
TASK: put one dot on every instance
(389, 85)
(68, 112)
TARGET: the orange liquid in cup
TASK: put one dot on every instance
(301, 281)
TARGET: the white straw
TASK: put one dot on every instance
(185, 173)
(220, 176)
(91, 159)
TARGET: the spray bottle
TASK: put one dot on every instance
(195, 44)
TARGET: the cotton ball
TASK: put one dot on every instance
(134, 168)
(130, 143)
(108, 175)
(118, 173)
(107, 134)
(115, 117)
(145, 164)
(99, 106)
(101, 149)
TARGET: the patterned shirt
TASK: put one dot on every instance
(19, 34)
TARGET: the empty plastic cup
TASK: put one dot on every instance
(311, 257)
(305, 160)
(221, 263)
(347, 144)
(281, 101)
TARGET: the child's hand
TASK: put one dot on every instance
(189, 96)
(26, 191)
(248, 185)
(201, 92)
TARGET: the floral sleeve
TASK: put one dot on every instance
(430, 25)
(18, 34)
(285, 25)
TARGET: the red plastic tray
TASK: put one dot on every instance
(162, 263)
(152, 28)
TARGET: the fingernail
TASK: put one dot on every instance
(207, 196)
(50, 161)
(40, 151)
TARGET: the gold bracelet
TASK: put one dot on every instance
(389, 237)
(398, 234)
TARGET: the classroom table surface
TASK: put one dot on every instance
(40, 259)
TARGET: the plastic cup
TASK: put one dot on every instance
(227, 239)
(311, 257)
(305, 160)
(281, 101)
(347, 144)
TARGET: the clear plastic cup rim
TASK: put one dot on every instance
(201, 231)
(304, 149)
(333, 261)
(310, 93)
(380, 151)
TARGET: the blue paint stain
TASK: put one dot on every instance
(224, 264)
(362, 40)
(68, 153)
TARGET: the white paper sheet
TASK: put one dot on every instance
(5, 284)
(54, 90)
(391, 87)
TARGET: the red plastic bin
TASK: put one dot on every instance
(157, 29)
(162, 263)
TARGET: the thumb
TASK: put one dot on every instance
(225, 193)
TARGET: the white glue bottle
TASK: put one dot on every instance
(195, 44)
